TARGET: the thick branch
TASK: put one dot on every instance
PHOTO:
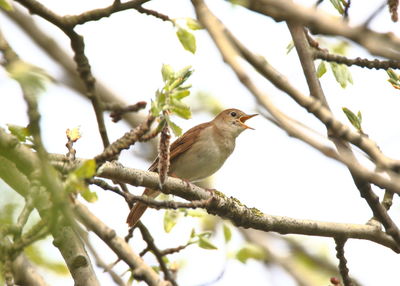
(97, 14)
(65, 239)
(140, 269)
(25, 273)
(231, 208)
(241, 215)
(379, 44)
(364, 187)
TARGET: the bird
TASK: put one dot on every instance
(199, 152)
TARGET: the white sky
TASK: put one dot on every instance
(268, 170)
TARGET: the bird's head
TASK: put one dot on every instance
(232, 121)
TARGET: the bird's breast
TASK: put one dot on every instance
(204, 158)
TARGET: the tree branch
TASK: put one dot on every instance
(379, 44)
(239, 214)
(140, 269)
(364, 187)
(156, 251)
(82, 62)
(56, 52)
(344, 271)
(65, 239)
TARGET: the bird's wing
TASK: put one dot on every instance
(182, 144)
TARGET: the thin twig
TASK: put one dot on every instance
(140, 269)
(118, 111)
(82, 62)
(375, 13)
(344, 271)
(125, 142)
(154, 13)
(157, 253)
(105, 186)
(364, 63)
(107, 268)
(58, 54)
(156, 204)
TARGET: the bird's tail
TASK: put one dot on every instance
(139, 208)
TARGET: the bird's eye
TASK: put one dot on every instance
(233, 114)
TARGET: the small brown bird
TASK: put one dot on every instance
(200, 152)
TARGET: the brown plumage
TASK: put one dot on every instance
(199, 152)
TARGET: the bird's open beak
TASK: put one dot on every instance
(243, 119)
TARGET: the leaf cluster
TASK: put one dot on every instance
(168, 100)
(340, 71)
(76, 180)
(184, 35)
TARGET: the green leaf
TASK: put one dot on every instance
(179, 78)
(170, 219)
(6, 5)
(167, 72)
(178, 95)
(180, 109)
(209, 103)
(30, 77)
(7, 212)
(184, 73)
(227, 233)
(160, 126)
(205, 243)
(289, 47)
(393, 78)
(340, 48)
(193, 24)
(154, 109)
(88, 195)
(195, 212)
(161, 98)
(355, 120)
(338, 6)
(38, 256)
(20, 132)
(250, 251)
(244, 3)
(187, 40)
(359, 115)
(175, 128)
(75, 182)
(165, 259)
(86, 170)
(321, 70)
(342, 74)
(392, 74)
